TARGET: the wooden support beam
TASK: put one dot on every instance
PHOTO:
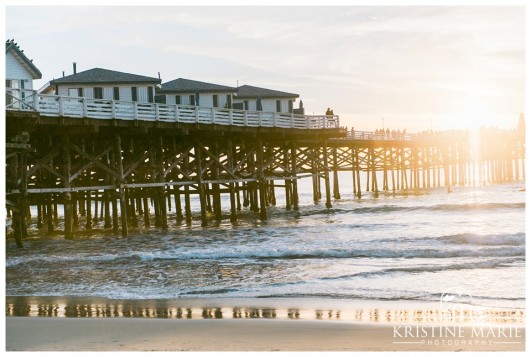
(287, 183)
(315, 177)
(200, 185)
(358, 173)
(187, 208)
(237, 193)
(178, 207)
(162, 189)
(260, 178)
(145, 203)
(232, 192)
(88, 201)
(131, 196)
(214, 154)
(49, 213)
(294, 189)
(392, 163)
(121, 190)
(337, 195)
(68, 232)
(24, 199)
(75, 217)
(328, 203)
(107, 213)
(39, 215)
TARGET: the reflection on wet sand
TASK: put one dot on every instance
(22, 307)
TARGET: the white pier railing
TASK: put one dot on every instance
(80, 107)
(371, 135)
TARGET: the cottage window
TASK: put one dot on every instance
(150, 94)
(290, 106)
(134, 94)
(177, 99)
(229, 101)
(22, 92)
(98, 93)
(279, 106)
(215, 100)
(116, 93)
(9, 94)
(73, 92)
(192, 99)
(80, 92)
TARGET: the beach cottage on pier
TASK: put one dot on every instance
(99, 83)
(188, 92)
(263, 99)
(20, 73)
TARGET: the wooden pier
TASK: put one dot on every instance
(130, 171)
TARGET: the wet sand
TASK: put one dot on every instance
(98, 324)
(141, 334)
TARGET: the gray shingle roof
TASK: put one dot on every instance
(26, 62)
(246, 91)
(182, 85)
(100, 76)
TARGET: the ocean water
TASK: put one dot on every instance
(408, 246)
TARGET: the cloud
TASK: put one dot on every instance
(360, 60)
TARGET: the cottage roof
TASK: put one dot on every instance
(101, 76)
(246, 91)
(182, 85)
(21, 57)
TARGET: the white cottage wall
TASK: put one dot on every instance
(205, 99)
(268, 104)
(16, 71)
(108, 91)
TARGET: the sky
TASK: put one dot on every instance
(420, 68)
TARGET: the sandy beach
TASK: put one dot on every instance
(99, 324)
(137, 334)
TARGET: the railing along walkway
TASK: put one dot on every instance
(80, 107)
(370, 135)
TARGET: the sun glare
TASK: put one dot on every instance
(473, 115)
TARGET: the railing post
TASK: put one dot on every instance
(196, 114)
(176, 113)
(135, 110)
(260, 118)
(157, 111)
(293, 121)
(61, 112)
(36, 101)
(113, 109)
(230, 117)
(245, 118)
(85, 107)
(212, 115)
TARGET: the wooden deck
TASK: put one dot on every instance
(80, 107)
